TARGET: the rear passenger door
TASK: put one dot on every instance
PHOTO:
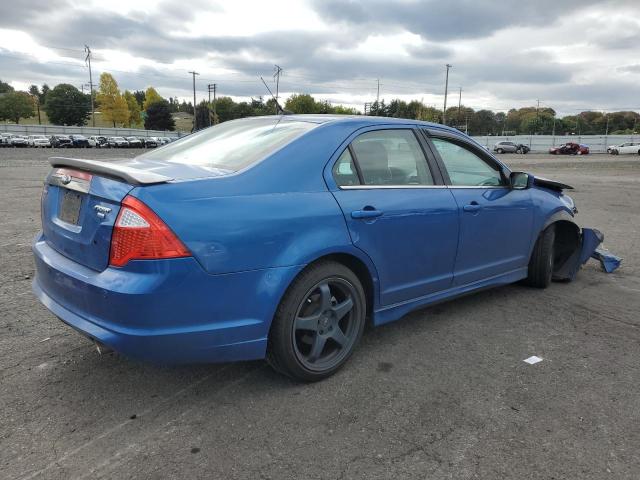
(496, 221)
(397, 211)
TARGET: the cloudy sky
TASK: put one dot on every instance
(571, 55)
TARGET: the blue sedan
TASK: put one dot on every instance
(280, 237)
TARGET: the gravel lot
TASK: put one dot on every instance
(443, 393)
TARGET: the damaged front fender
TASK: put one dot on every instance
(566, 269)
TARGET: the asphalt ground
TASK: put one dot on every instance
(443, 393)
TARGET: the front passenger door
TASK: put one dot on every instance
(397, 213)
(496, 221)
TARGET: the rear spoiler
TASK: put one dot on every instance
(120, 169)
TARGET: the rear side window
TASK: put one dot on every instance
(232, 145)
(391, 157)
(344, 171)
(465, 168)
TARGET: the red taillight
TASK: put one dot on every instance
(139, 234)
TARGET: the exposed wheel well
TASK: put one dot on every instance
(567, 240)
(358, 267)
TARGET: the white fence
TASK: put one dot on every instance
(542, 143)
(86, 131)
(537, 143)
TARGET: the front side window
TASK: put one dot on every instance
(465, 168)
(391, 157)
(233, 145)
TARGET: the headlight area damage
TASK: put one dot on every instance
(574, 247)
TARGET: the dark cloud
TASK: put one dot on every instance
(446, 20)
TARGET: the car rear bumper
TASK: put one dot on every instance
(163, 311)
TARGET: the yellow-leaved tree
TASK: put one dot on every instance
(135, 119)
(113, 106)
(151, 97)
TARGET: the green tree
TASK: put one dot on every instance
(113, 106)
(16, 105)
(301, 103)
(151, 97)
(159, 117)
(66, 105)
(140, 96)
(135, 118)
(204, 116)
(5, 87)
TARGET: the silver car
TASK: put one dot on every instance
(510, 147)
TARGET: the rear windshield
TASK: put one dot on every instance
(232, 145)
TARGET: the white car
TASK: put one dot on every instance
(625, 148)
(97, 141)
(38, 141)
(18, 141)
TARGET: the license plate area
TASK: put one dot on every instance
(70, 206)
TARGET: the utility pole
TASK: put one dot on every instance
(446, 90)
(537, 116)
(459, 105)
(87, 60)
(195, 117)
(212, 88)
(378, 94)
(277, 72)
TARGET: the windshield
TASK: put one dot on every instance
(232, 145)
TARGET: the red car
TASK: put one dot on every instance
(570, 148)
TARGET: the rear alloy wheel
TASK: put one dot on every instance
(500, 150)
(318, 323)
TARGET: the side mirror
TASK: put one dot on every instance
(520, 180)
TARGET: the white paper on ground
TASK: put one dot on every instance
(533, 360)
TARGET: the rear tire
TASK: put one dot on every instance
(500, 150)
(541, 262)
(318, 324)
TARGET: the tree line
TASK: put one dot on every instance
(66, 105)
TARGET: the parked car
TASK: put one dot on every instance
(97, 141)
(18, 141)
(38, 141)
(60, 141)
(570, 148)
(79, 141)
(625, 148)
(134, 142)
(277, 237)
(510, 147)
(4, 139)
(149, 142)
(117, 142)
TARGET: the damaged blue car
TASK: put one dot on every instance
(279, 237)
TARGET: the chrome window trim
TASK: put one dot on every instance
(397, 187)
(387, 187)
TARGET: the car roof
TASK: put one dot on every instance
(358, 120)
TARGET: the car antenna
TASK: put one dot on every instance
(281, 111)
